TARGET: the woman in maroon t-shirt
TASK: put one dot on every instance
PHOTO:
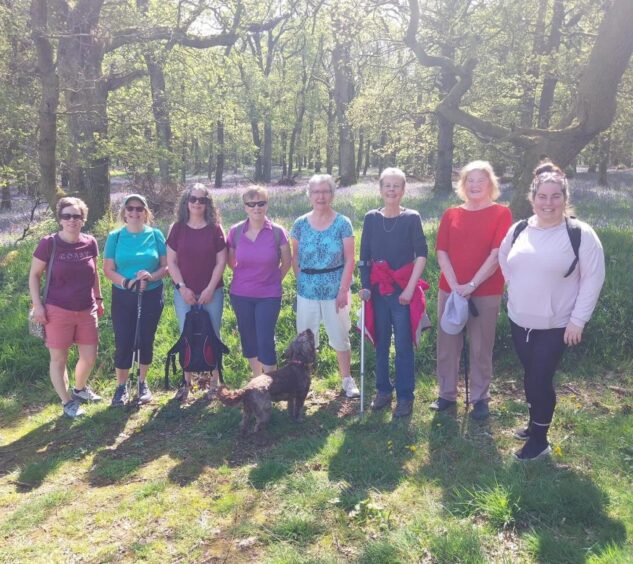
(468, 241)
(73, 301)
(196, 257)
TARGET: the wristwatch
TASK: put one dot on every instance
(179, 285)
(472, 284)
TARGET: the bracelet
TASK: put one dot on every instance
(125, 282)
(99, 299)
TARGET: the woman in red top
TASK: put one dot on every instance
(467, 246)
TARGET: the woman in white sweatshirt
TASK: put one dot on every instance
(554, 268)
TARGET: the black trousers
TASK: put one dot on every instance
(124, 314)
(540, 352)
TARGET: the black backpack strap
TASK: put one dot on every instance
(575, 233)
(518, 229)
(239, 232)
(171, 360)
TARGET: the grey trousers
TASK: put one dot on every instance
(481, 340)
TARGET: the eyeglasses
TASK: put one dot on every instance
(259, 204)
(198, 199)
(138, 209)
(69, 216)
(320, 192)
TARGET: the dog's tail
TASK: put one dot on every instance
(228, 397)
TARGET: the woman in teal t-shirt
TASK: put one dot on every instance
(135, 253)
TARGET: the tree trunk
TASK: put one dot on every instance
(359, 157)
(444, 162)
(551, 80)
(343, 95)
(330, 141)
(604, 148)
(367, 156)
(284, 154)
(267, 156)
(219, 167)
(257, 141)
(49, 102)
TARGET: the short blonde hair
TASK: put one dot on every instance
(392, 171)
(254, 192)
(483, 166)
(149, 216)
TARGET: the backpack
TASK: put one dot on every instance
(573, 230)
(239, 231)
(198, 348)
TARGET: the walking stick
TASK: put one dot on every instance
(136, 353)
(362, 356)
(472, 309)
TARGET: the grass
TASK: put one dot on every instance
(171, 482)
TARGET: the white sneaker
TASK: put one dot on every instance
(350, 388)
(72, 409)
(85, 395)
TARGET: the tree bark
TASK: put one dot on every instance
(219, 167)
(367, 156)
(257, 141)
(343, 95)
(331, 127)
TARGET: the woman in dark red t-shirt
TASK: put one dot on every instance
(196, 256)
(467, 246)
(73, 302)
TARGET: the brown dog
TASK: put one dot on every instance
(289, 383)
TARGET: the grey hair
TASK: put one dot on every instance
(393, 171)
(319, 179)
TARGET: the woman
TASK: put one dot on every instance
(323, 262)
(196, 255)
(259, 255)
(467, 246)
(393, 254)
(552, 292)
(135, 261)
(73, 302)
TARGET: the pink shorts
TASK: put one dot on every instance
(66, 327)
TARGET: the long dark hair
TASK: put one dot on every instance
(211, 213)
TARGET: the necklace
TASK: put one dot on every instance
(384, 225)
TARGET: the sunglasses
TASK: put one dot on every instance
(69, 216)
(198, 199)
(259, 204)
(138, 209)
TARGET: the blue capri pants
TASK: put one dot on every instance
(256, 321)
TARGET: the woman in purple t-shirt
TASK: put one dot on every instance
(196, 256)
(73, 301)
(259, 255)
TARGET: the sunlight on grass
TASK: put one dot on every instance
(35, 511)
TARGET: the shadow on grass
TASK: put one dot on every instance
(44, 449)
(199, 436)
(560, 513)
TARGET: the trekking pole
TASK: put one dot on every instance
(136, 353)
(472, 309)
(362, 356)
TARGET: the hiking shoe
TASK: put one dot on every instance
(381, 400)
(521, 434)
(73, 409)
(144, 395)
(350, 388)
(480, 410)
(404, 408)
(120, 395)
(532, 451)
(85, 395)
(441, 404)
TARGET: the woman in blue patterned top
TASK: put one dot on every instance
(323, 262)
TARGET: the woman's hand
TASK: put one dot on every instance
(464, 290)
(206, 295)
(405, 297)
(573, 334)
(188, 295)
(364, 294)
(39, 314)
(341, 299)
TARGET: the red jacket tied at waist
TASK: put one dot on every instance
(384, 277)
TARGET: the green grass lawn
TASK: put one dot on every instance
(178, 483)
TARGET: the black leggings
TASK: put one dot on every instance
(540, 352)
(124, 313)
